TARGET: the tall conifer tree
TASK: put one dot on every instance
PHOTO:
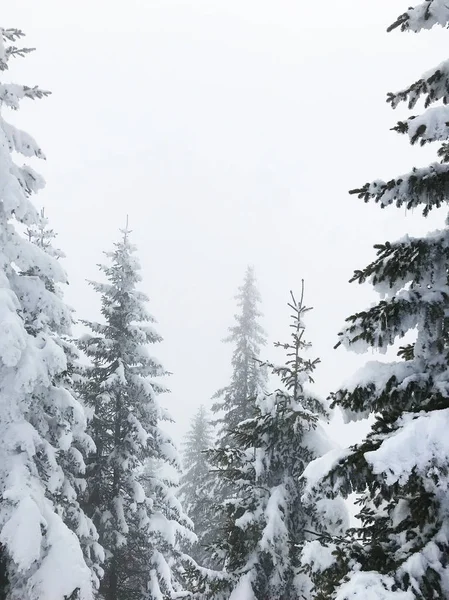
(42, 425)
(129, 496)
(43, 236)
(197, 485)
(401, 470)
(235, 402)
(266, 522)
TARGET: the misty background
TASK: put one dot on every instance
(230, 132)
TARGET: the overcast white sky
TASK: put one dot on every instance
(230, 132)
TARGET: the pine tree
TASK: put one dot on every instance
(42, 425)
(401, 469)
(266, 522)
(197, 485)
(235, 402)
(129, 494)
(43, 236)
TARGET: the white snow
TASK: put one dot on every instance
(243, 590)
(432, 124)
(275, 527)
(320, 467)
(318, 556)
(63, 569)
(370, 585)
(421, 442)
(22, 535)
(428, 14)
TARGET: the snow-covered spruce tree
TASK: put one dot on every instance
(197, 485)
(129, 495)
(42, 425)
(235, 402)
(401, 470)
(266, 522)
(40, 234)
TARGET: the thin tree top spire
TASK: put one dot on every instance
(295, 364)
(126, 231)
(297, 370)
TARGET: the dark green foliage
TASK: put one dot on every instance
(133, 505)
(265, 521)
(400, 470)
(3, 575)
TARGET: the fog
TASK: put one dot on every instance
(230, 132)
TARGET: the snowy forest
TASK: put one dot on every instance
(99, 501)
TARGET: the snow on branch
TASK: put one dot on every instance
(427, 186)
(423, 16)
(433, 85)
